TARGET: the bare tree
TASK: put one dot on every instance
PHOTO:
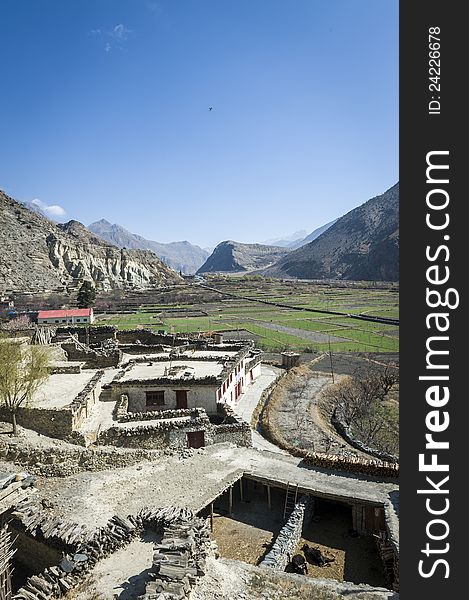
(23, 369)
(17, 324)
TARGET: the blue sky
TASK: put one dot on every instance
(104, 112)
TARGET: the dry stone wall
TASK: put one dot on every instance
(288, 538)
(345, 431)
(179, 558)
(62, 462)
(51, 422)
(157, 435)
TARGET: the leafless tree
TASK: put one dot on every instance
(23, 368)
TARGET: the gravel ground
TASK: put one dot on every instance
(122, 574)
(232, 580)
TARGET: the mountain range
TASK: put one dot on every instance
(37, 254)
(299, 238)
(180, 256)
(361, 245)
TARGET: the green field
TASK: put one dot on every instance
(299, 329)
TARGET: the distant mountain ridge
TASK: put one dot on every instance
(235, 257)
(39, 255)
(312, 236)
(286, 241)
(361, 245)
(180, 256)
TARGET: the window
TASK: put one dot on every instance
(64, 320)
(56, 320)
(154, 398)
(78, 320)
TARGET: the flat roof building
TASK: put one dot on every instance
(59, 317)
(198, 379)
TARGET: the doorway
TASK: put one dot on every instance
(181, 398)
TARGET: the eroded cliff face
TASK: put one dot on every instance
(37, 255)
(107, 266)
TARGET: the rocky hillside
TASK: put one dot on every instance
(363, 244)
(180, 256)
(232, 256)
(37, 255)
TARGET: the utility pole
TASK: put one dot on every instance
(330, 358)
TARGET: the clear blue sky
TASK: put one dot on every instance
(104, 112)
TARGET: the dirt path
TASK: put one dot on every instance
(294, 415)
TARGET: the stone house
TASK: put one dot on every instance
(199, 380)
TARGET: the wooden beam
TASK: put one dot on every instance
(269, 498)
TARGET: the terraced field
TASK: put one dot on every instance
(277, 328)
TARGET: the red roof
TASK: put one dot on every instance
(62, 314)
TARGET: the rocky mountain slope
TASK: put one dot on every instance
(232, 256)
(180, 256)
(37, 255)
(363, 244)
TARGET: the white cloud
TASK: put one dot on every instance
(120, 32)
(116, 36)
(52, 210)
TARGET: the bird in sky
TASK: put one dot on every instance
(210, 108)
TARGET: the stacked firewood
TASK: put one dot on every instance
(354, 464)
(179, 559)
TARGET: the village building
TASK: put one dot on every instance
(77, 316)
(193, 379)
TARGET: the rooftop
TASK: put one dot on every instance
(61, 389)
(175, 369)
(61, 314)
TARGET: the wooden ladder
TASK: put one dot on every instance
(290, 499)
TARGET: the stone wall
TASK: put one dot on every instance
(146, 336)
(241, 434)
(159, 433)
(345, 431)
(60, 423)
(82, 404)
(93, 358)
(176, 565)
(157, 415)
(233, 429)
(198, 396)
(142, 348)
(87, 335)
(169, 429)
(62, 462)
(288, 538)
(51, 422)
